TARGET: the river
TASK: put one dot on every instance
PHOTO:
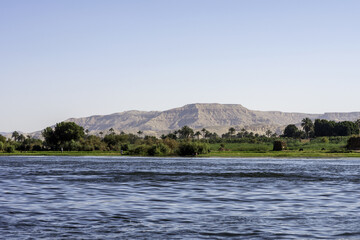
(179, 198)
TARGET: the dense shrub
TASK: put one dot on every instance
(36, 148)
(153, 150)
(353, 143)
(10, 149)
(114, 141)
(192, 148)
(139, 150)
(92, 143)
(279, 145)
(158, 149)
(164, 149)
(171, 143)
(72, 145)
(124, 147)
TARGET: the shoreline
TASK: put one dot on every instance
(219, 154)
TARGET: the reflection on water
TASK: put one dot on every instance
(178, 198)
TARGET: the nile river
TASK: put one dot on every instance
(178, 198)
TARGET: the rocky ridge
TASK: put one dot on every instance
(214, 117)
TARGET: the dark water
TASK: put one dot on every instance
(178, 198)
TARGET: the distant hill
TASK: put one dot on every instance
(214, 117)
(5, 134)
(9, 134)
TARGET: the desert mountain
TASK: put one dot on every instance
(214, 117)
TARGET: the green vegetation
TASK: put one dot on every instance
(331, 128)
(67, 138)
(66, 135)
(192, 148)
(291, 131)
(308, 127)
(353, 143)
(279, 145)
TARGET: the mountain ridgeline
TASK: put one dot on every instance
(214, 117)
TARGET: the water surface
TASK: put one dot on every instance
(178, 198)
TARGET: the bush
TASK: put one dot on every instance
(36, 148)
(139, 150)
(124, 147)
(153, 150)
(171, 143)
(279, 145)
(87, 148)
(10, 149)
(156, 149)
(353, 143)
(222, 147)
(73, 145)
(164, 149)
(192, 148)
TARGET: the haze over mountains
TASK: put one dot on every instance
(214, 117)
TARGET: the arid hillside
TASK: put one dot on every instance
(214, 117)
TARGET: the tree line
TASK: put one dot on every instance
(322, 128)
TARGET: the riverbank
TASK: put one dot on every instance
(225, 154)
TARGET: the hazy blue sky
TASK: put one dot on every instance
(62, 59)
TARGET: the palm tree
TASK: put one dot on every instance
(21, 138)
(111, 130)
(358, 123)
(15, 135)
(186, 132)
(176, 133)
(268, 133)
(307, 125)
(140, 133)
(207, 134)
(242, 132)
(232, 131)
(197, 134)
(204, 132)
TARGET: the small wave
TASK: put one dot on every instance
(223, 175)
(348, 234)
(177, 176)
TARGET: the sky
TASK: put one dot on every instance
(63, 59)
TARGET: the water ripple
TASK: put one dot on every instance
(179, 198)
